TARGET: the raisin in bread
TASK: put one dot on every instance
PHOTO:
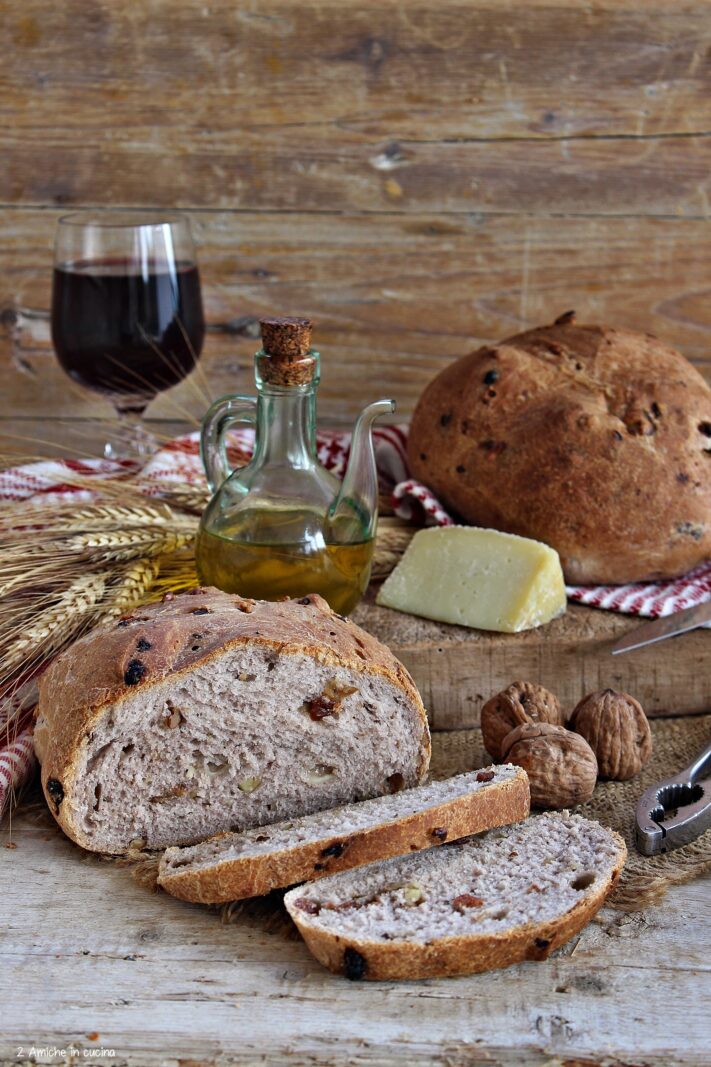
(209, 712)
(489, 901)
(251, 863)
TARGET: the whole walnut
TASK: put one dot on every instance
(617, 730)
(519, 703)
(561, 766)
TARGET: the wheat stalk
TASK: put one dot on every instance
(132, 588)
(61, 620)
(124, 545)
(95, 517)
(70, 567)
(189, 497)
(123, 515)
(176, 574)
(19, 579)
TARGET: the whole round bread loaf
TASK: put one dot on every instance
(594, 440)
(209, 712)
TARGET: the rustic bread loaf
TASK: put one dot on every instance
(593, 440)
(488, 901)
(251, 863)
(209, 712)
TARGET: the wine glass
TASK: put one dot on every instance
(127, 317)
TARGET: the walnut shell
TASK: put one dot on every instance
(617, 730)
(561, 766)
(519, 703)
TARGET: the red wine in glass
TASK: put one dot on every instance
(127, 318)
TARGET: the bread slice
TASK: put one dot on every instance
(209, 712)
(249, 864)
(489, 901)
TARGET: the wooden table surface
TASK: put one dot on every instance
(415, 177)
(91, 960)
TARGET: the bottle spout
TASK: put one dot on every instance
(354, 512)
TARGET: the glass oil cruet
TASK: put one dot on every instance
(282, 525)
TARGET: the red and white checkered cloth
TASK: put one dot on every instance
(179, 462)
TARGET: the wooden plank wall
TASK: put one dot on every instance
(414, 176)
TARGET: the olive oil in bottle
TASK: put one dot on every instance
(269, 555)
(282, 525)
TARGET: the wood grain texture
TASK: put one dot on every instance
(457, 669)
(416, 178)
(453, 72)
(293, 167)
(393, 297)
(90, 958)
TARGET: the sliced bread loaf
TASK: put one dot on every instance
(251, 863)
(508, 895)
(209, 712)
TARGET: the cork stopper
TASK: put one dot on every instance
(286, 358)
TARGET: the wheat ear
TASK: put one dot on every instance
(58, 623)
(188, 497)
(132, 588)
(119, 545)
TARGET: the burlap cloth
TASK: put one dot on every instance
(645, 879)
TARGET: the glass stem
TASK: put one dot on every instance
(133, 439)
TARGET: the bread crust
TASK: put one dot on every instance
(593, 440)
(498, 804)
(449, 956)
(83, 683)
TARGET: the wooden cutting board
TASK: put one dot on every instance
(457, 669)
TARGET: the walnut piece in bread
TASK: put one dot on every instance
(488, 901)
(193, 716)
